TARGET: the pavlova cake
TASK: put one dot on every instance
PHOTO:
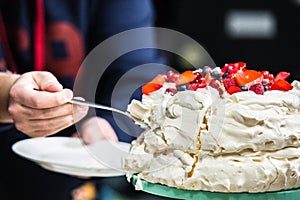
(228, 129)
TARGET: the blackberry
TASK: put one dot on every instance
(265, 86)
(244, 88)
(225, 75)
(181, 88)
(205, 70)
(216, 75)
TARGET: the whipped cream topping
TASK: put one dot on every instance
(240, 143)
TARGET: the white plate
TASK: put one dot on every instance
(70, 156)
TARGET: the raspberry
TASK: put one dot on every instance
(171, 91)
(172, 76)
(198, 75)
(258, 88)
(229, 82)
(195, 86)
(214, 83)
(183, 78)
(267, 76)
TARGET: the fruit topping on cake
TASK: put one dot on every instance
(232, 78)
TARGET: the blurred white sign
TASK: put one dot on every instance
(250, 24)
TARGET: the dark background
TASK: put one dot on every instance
(204, 21)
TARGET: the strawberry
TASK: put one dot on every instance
(185, 77)
(258, 88)
(235, 75)
(224, 69)
(282, 85)
(282, 75)
(233, 89)
(231, 69)
(151, 87)
(154, 84)
(248, 77)
(240, 65)
(160, 78)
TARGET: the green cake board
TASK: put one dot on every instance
(175, 193)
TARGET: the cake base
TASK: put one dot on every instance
(175, 193)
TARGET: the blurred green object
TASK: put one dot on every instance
(108, 193)
(175, 193)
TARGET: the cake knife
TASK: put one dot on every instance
(99, 106)
(103, 107)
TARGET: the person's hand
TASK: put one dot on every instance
(95, 129)
(39, 105)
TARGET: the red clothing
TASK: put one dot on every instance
(56, 35)
(57, 39)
